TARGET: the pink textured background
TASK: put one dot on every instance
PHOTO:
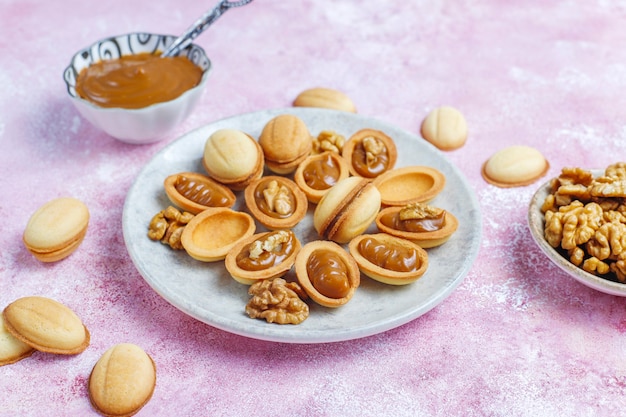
(517, 338)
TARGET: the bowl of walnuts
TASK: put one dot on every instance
(578, 220)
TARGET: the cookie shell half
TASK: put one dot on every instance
(122, 381)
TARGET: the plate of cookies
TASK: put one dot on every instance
(302, 225)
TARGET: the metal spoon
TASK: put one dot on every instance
(200, 25)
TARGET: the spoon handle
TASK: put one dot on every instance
(200, 26)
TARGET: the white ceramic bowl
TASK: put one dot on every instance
(536, 224)
(137, 126)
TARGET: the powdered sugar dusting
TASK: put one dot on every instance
(518, 337)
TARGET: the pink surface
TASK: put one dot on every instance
(518, 336)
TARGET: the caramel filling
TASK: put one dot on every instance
(394, 257)
(275, 199)
(267, 252)
(328, 274)
(414, 225)
(136, 81)
(321, 173)
(201, 193)
(370, 157)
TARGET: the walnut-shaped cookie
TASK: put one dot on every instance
(318, 173)
(233, 158)
(212, 233)
(389, 259)
(347, 209)
(327, 273)
(276, 202)
(412, 184)
(46, 325)
(195, 192)
(425, 225)
(369, 153)
(263, 256)
(286, 142)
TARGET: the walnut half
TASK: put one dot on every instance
(168, 225)
(277, 301)
(586, 217)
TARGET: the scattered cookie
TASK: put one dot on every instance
(46, 325)
(122, 381)
(325, 98)
(515, 166)
(11, 349)
(445, 127)
(56, 229)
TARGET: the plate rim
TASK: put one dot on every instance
(319, 336)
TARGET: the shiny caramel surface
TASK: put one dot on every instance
(136, 81)
(275, 254)
(389, 256)
(414, 225)
(321, 173)
(201, 192)
(328, 274)
(368, 165)
(274, 200)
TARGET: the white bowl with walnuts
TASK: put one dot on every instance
(578, 220)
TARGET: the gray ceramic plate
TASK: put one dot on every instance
(536, 224)
(207, 292)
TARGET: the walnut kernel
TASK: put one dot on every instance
(276, 302)
(328, 141)
(168, 225)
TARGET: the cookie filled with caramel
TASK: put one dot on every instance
(389, 259)
(347, 209)
(318, 173)
(370, 153)
(425, 225)
(327, 273)
(263, 256)
(276, 202)
(195, 192)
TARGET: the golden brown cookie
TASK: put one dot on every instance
(286, 142)
(445, 127)
(233, 158)
(46, 325)
(389, 259)
(212, 233)
(327, 273)
(326, 98)
(515, 166)
(347, 209)
(11, 348)
(56, 229)
(276, 202)
(122, 381)
(370, 153)
(319, 172)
